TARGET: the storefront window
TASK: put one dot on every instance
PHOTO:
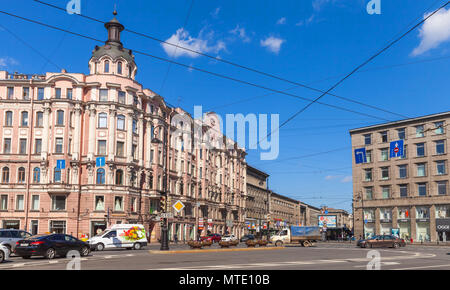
(423, 231)
(369, 230)
(385, 228)
(385, 214)
(369, 214)
(58, 227)
(403, 213)
(422, 212)
(405, 230)
(442, 211)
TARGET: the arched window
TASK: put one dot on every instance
(21, 175)
(100, 176)
(24, 119)
(120, 122)
(119, 177)
(119, 67)
(8, 118)
(36, 175)
(5, 175)
(106, 66)
(102, 120)
(57, 175)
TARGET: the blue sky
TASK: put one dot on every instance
(308, 41)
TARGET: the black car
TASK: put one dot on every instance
(50, 246)
(247, 237)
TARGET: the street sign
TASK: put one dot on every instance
(100, 161)
(178, 206)
(61, 164)
(396, 149)
(360, 155)
(167, 215)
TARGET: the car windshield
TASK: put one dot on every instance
(101, 234)
(36, 237)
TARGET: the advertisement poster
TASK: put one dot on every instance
(328, 221)
(396, 232)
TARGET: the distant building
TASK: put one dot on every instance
(257, 201)
(284, 211)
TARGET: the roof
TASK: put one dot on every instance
(256, 171)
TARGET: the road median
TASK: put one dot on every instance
(215, 250)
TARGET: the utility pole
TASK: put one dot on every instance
(164, 193)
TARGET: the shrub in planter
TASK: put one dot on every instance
(251, 243)
(195, 244)
(207, 243)
(262, 243)
(224, 244)
(234, 243)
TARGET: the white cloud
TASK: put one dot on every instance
(240, 32)
(347, 179)
(273, 44)
(318, 4)
(201, 43)
(307, 21)
(331, 177)
(8, 61)
(281, 21)
(435, 31)
(215, 13)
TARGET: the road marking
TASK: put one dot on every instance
(382, 263)
(423, 267)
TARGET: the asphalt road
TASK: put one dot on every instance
(323, 256)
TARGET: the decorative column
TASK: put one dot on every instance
(111, 132)
(149, 143)
(141, 140)
(76, 141)
(92, 137)
(46, 135)
(129, 141)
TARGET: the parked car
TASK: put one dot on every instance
(382, 241)
(215, 238)
(9, 237)
(50, 246)
(247, 237)
(4, 253)
(229, 238)
(130, 236)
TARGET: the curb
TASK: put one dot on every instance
(215, 250)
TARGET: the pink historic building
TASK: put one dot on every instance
(81, 152)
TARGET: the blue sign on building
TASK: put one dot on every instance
(360, 155)
(396, 149)
(61, 164)
(100, 161)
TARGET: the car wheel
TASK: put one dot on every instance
(26, 257)
(137, 246)
(50, 254)
(2, 256)
(279, 243)
(100, 247)
(396, 245)
(84, 251)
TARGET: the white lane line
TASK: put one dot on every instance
(423, 267)
(382, 264)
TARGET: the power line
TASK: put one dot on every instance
(356, 69)
(297, 84)
(199, 69)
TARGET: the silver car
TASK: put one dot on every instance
(9, 237)
(4, 253)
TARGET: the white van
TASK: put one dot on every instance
(130, 236)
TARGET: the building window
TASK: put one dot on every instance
(24, 119)
(369, 193)
(440, 147)
(20, 202)
(421, 169)
(5, 175)
(102, 120)
(58, 93)
(119, 177)
(403, 190)
(442, 187)
(26, 93)
(57, 175)
(385, 192)
(440, 167)
(122, 97)
(120, 149)
(59, 202)
(36, 175)
(133, 204)
(101, 147)
(8, 119)
(401, 133)
(384, 173)
(34, 226)
(58, 227)
(100, 176)
(134, 151)
(368, 139)
(10, 93)
(39, 119)
(420, 131)
(106, 68)
(103, 95)
(38, 146)
(23, 146)
(40, 94)
(69, 93)
(21, 175)
(384, 136)
(384, 154)
(119, 67)
(118, 203)
(422, 212)
(420, 149)
(4, 202)
(402, 171)
(422, 189)
(134, 128)
(120, 122)
(35, 202)
(100, 203)
(439, 128)
(442, 211)
(60, 118)
(59, 145)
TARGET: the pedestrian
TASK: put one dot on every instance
(175, 237)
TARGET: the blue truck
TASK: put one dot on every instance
(306, 236)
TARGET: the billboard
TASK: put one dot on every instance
(328, 221)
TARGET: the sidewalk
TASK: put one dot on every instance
(425, 244)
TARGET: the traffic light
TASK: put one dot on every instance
(162, 203)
